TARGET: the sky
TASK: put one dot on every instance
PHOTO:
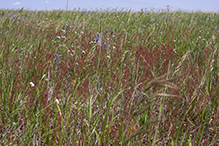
(137, 5)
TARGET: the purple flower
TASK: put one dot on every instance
(200, 33)
(13, 18)
(141, 96)
(67, 27)
(97, 39)
(81, 26)
(25, 15)
(106, 31)
(112, 32)
(3, 13)
(55, 56)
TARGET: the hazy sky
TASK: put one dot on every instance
(209, 5)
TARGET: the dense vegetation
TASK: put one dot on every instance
(109, 78)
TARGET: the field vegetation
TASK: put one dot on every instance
(110, 77)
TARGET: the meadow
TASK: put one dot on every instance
(110, 77)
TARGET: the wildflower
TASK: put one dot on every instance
(25, 15)
(106, 31)
(141, 96)
(97, 39)
(200, 33)
(67, 27)
(13, 18)
(55, 56)
(57, 101)
(32, 84)
(112, 32)
(3, 13)
(81, 27)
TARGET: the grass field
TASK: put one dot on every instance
(109, 78)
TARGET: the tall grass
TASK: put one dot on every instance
(109, 78)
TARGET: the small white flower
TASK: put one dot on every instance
(58, 37)
(32, 84)
(57, 101)
(63, 30)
